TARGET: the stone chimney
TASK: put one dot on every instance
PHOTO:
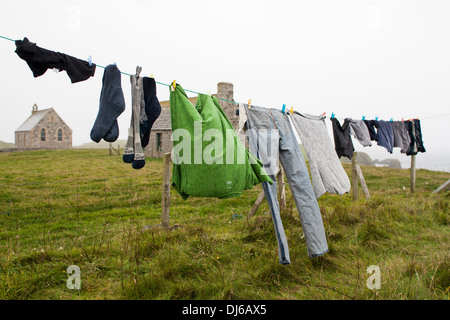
(225, 91)
(35, 109)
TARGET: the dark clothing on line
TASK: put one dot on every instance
(112, 104)
(39, 60)
(415, 134)
(342, 141)
(152, 110)
(372, 125)
(418, 134)
(385, 135)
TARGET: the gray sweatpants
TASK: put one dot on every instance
(271, 137)
(327, 173)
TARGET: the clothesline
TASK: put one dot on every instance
(226, 100)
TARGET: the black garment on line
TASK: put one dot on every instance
(40, 59)
(342, 141)
(152, 109)
(372, 125)
(415, 134)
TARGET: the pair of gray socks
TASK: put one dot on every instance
(133, 152)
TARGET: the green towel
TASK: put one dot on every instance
(203, 168)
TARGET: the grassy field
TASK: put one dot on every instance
(86, 208)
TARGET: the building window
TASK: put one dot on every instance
(59, 135)
(158, 141)
(42, 134)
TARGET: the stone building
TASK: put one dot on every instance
(44, 129)
(160, 136)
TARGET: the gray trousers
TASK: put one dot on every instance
(327, 173)
(271, 137)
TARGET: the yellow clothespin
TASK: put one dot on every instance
(208, 92)
(152, 76)
(174, 85)
(249, 103)
(292, 110)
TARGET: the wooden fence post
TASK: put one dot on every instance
(413, 173)
(256, 205)
(354, 177)
(362, 181)
(111, 149)
(165, 201)
(442, 187)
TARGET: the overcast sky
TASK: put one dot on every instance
(375, 58)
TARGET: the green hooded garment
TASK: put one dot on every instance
(209, 160)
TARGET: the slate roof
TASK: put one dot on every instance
(33, 120)
(163, 121)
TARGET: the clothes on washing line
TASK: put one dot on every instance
(385, 135)
(401, 136)
(208, 158)
(397, 134)
(40, 60)
(359, 130)
(271, 137)
(327, 173)
(406, 139)
(415, 134)
(133, 152)
(372, 126)
(418, 135)
(150, 111)
(145, 110)
(342, 141)
(112, 104)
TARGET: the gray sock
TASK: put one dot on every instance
(128, 151)
(137, 97)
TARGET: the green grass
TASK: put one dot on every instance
(86, 208)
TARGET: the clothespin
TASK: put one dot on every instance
(249, 103)
(324, 113)
(391, 120)
(115, 63)
(332, 115)
(174, 85)
(89, 59)
(282, 109)
(152, 76)
(292, 110)
(376, 118)
(138, 71)
(402, 119)
(208, 92)
(363, 118)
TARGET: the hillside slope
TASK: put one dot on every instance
(6, 144)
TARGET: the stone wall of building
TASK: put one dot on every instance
(23, 139)
(51, 123)
(225, 91)
(166, 144)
